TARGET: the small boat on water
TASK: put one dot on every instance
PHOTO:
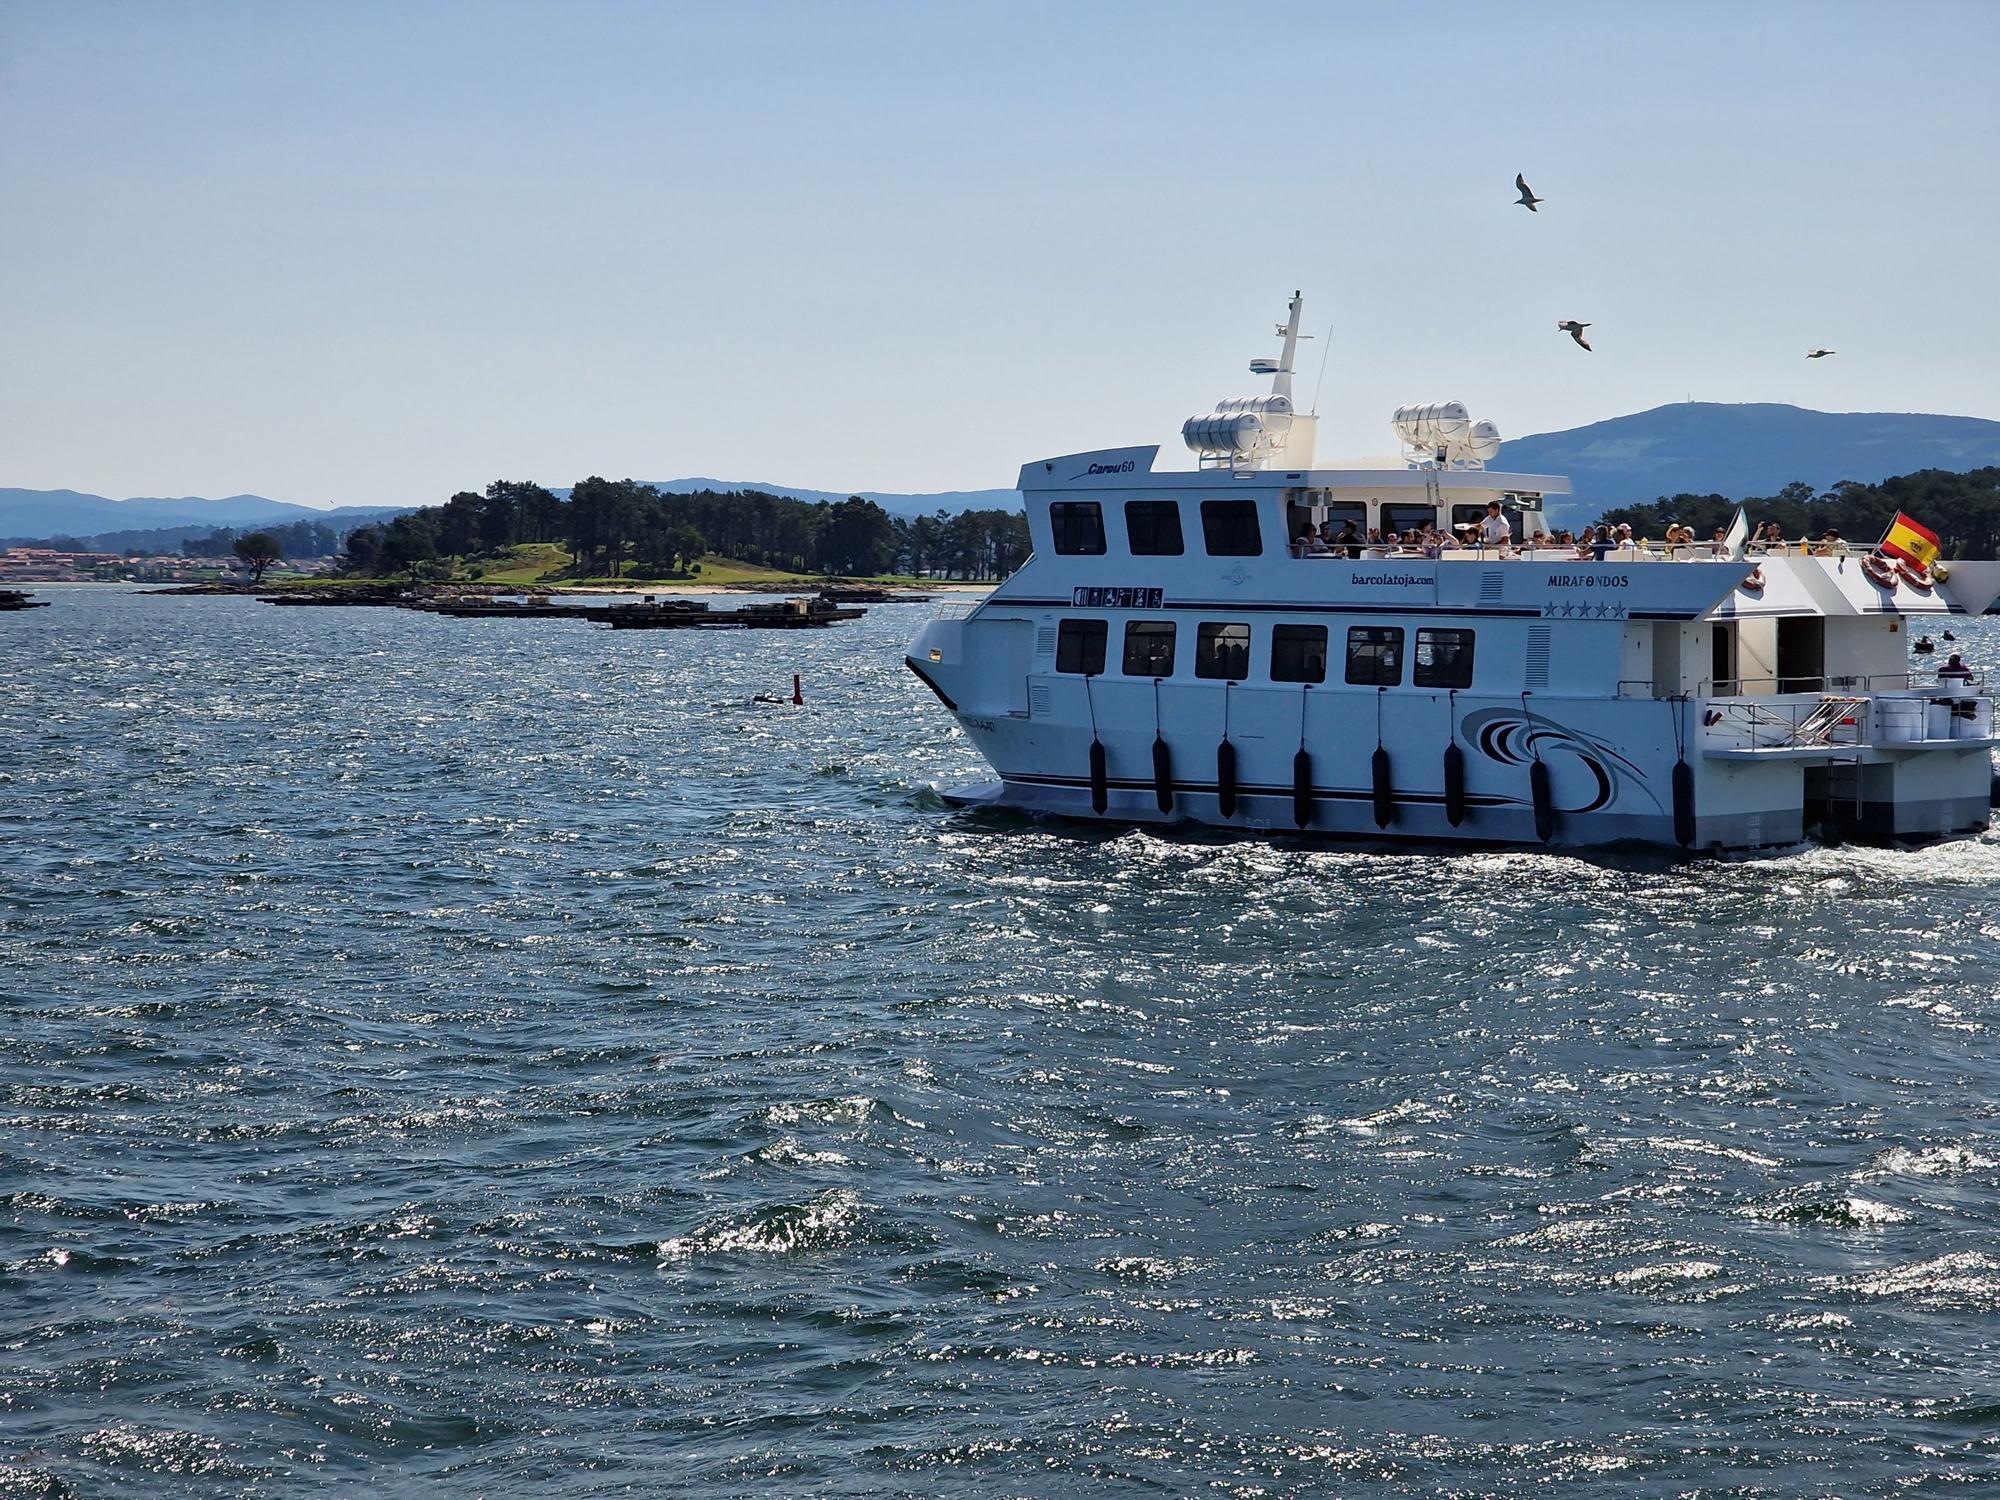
(1248, 644)
(15, 599)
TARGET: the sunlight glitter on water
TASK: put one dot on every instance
(549, 1073)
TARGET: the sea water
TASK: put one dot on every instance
(504, 1058)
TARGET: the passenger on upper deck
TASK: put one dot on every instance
(1349, 540)
(1954, 671)
(1495, 529)
(1771, 537)
(1718, 542)
(1830, 545)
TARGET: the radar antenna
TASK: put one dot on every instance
(1280, 369)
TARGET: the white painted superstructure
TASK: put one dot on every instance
(1168, 654)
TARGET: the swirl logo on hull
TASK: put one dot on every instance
(1512, 737)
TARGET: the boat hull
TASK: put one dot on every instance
(1346, 814)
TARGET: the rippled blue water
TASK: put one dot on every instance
(499, 1058)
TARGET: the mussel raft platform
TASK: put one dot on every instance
(15, 599)
(650, 614)
(680, 614)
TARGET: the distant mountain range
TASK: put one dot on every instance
(35, 515)
(30, 514)
(1704, 448)
(1695, 447)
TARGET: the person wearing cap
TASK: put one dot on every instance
(1830, 544)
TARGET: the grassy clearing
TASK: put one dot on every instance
(546, 564)
(528, 562)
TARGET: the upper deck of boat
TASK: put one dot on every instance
(1132, 469)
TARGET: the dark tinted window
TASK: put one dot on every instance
(1078, 526)
(1229, 528)
(1375, 655)
(1337, 517)
(1154, 528)
(1149, 648)
(1444, 659)
(1298, 653)
(1472, 515)
(1080, 646)
(1401, 518)
(1222, 651)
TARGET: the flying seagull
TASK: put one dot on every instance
(1528, 198)
(1574, 329)
(1821, 353)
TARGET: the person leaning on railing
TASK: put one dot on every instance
(1770, 537)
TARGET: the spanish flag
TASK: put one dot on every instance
(1908, 539)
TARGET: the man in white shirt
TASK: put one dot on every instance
(1494, 530)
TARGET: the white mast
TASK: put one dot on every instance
(1250, 432)
(1280, 371)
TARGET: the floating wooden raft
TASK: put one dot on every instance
(841, 594)
(793, 614)
(500, 609)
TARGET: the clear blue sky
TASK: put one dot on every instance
(368, 253)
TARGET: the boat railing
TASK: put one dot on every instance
(1821, 720)
(956, 609)
(1520, 552)
(1802, 722)
(1749, 687)
(1767, 687)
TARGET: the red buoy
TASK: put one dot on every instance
(797, 695)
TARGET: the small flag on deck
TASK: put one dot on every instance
(1737, 538)
(1909, 539)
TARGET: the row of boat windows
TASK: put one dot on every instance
(1228, 527)
(1153, 528)
(1443, 658)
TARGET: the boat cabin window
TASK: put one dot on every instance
(1078, 527)
(1472, 515)
(1149, 648)
(1444, 659)
(1375, 655)
(1080, 646)
(1222, 651)
(1298, 653)
(1329, 518)
(1153, 527)
(1401, 516)
(1229, 528)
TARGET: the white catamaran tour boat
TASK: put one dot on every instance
(1179, 647)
